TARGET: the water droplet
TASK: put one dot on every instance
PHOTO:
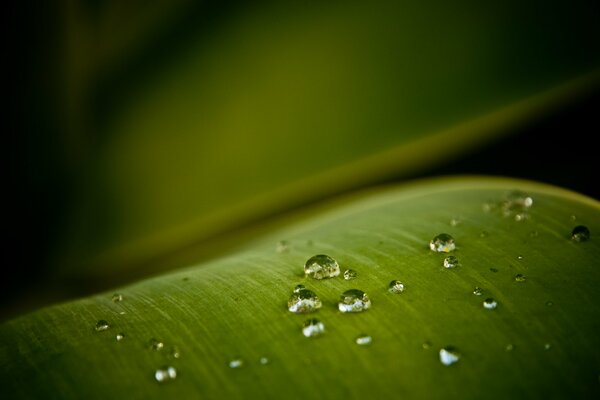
(304, 301)
(175, 353)
(354, 300)
(120, 336)
(321, 267)
(396, 287)
(509, 347)
(282, 246)
(520, 257)
(350, 274)
(477, 291)
(580, 234)
(449, 355)
(455, 222)
(165, 374)
(117, 297)
(547, 346)
(488, 206)
(263, 361)
(573, 217)
(516, 204)
(442, 243)
(313, 327)
(549, 303)
(450, 262)
(426, 345)
(102, 325)
(520, 278)
(299, 288)
(156, 345)
(494, 269)
(490, 303)
(521, 217)
(236, 363)
(122, 313)
(364, 340)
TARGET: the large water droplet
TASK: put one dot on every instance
(321, 267)
(442, 243)
(350, 274)
(236, 363)
(477, 291)
(102, 325)
(156, 344)
(580, 234)
(364, 340)
(354, 300)
(396, 286)
(520, 278)
(165, 374)
(117, 297)
(120, 336)
(312, 327)
(304, 301)
(450, 262)
(449, 355)
(490, 303)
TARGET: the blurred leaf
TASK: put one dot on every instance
(236, 307)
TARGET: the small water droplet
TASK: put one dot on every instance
(282, 246)
(520, 278)
(516, 204)
(165, 374)
(509, 347)
(450, 262)
(426, 345)
(477, 291)
(102, 325)
(299, 288)
(263, 361)
(580, 234)
(494, 269)
(488, 206)
(175, 353)
(117, 297)
(122, 313)
(354, 300)
(547, 346)
(520, 257)
(236, 363)
(573, 217)
(396, 286)
(120, 336)
(350, 274)
(156, 344)
(521, 217)
(321, 266)
(304, 301)
(364, 340)
(490, 303)
(455, 222)
(313, 327)
(442, 243)
(449, 355)
(549, 303)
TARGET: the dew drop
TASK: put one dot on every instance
(580, 234)
(426, 345)
(354, 300)
(450, 262)
(477, 291)
(520, 278)
(547, 346)
(573, 217)
(455, 222)
(165, 374)
(350, 274)
(321, 267)
(442, 243)
(120, 336)
(282, 246)
(509, 347)
(117, 297)
(490, 303)
(102, 325)
(364, 340)
(520, 257)
(304, 301)
(236, 363)
(396, 287)
(449, 355)
(518, 199)
(263, 360)
(175, 353)
(313, 327)
(156, 345)
(122, 313)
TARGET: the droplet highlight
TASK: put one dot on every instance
(350, 274)
(175, 352)
(354, 300)
(364, 340)
(450, 262)
(304, 301)
(396, 286)
(490, 304)
(117, 297)
(442, 243)
(321, 266)
(580, 233)
(520, 278)
(156, 345)
(165, 374)
(101, 325)
(477, 291)
(263, 361)
(120, 336)
(282, 246)
(236, 363)
(313, 327)
(449, 355)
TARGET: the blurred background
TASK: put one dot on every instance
(150, 135)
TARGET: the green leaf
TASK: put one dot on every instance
(235, 306)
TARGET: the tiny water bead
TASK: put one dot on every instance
(520, 257)
(165, 374)
(477, 291)
(442, 243)
(509, 347)
(547, 346)
(321, 266)
(426, 345)
(455, 222)
(516, 204)
(156, 344)
(236, 363)
(580, 234)
(364, 340)
(354, 300)
(175, 353)
(117, 297)
(304, 301)
(449, 355)
(313, 327)
(520, 278)
(263, 361)
(350, 274)
(450, 262)
(396, 287)
(490, 303)
(282, 246)
(102, 325)
(120, 336)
